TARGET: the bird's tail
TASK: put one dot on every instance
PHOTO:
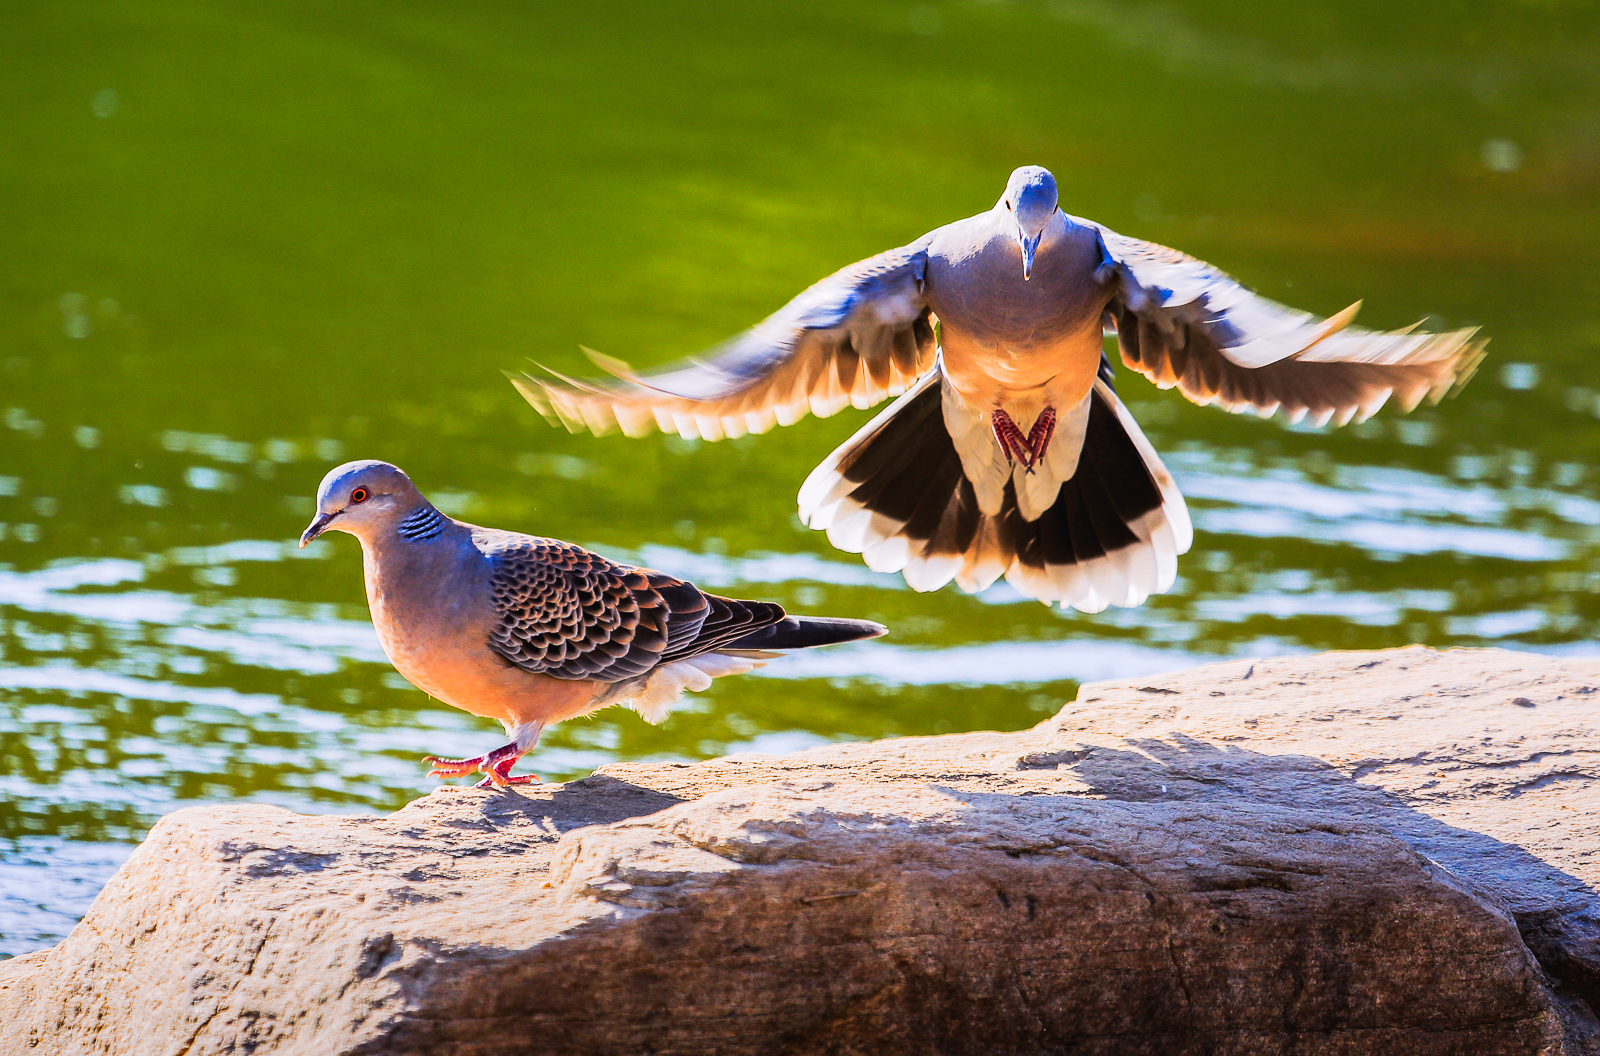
(896, 494)
(805, 632)
(654, 696)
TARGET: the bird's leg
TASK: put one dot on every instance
(496, 765)
(1044, 427)
(1027, 449)
(1012, 443)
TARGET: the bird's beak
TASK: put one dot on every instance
(1030, 246)
(318, 526)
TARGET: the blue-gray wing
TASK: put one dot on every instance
(1181, 322)
(856, 338)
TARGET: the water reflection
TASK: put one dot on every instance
(226, 275)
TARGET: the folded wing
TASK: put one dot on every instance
(570, 613)
(857, 337)
(1181, 322)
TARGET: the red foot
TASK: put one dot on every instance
(500, 775)
(1025, 449)
(496, 765)
(1012, 443)
(1044, 427)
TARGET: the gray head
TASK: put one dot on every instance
(363, 498)
(1031, 198)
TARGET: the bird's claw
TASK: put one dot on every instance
(1039, 436)
(1012, 443)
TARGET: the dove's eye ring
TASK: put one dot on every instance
(359, 495)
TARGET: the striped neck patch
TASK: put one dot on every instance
(422, 525)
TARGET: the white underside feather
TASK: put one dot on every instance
(666, 684)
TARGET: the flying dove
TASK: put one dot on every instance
(531, 631)
(1009, 453)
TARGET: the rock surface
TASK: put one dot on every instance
(1349, 853)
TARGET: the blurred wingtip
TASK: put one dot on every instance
(532, 390)
(610, 364)
(1471, 358)
(559, 404)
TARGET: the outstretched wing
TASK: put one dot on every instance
(570, 613)
(1180, 321)
(855, 338)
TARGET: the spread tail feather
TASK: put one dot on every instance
(897, 494)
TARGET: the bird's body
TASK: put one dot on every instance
(1017, 346)
(532, 631)
(1009, 453)
(427, 598)
(1003, 333)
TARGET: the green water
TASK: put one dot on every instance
(241, 242)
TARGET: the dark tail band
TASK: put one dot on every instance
(805, 632)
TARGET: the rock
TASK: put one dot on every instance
(1349, 853)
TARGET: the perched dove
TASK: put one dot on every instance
(1009, 453)
(532, 631)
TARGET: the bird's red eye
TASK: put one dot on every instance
(1008, 207)
(359, 495)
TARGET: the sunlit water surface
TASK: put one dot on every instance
(246, 242)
